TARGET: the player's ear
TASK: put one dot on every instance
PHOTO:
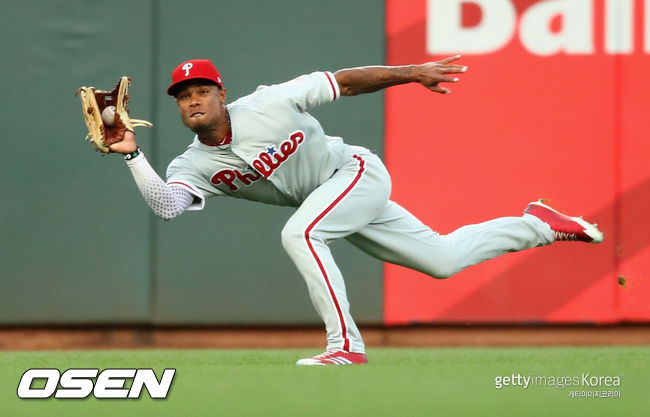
(222, 95)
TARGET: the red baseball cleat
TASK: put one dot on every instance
(565, 227)
(335, 357)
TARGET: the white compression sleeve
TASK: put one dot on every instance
(166, 201)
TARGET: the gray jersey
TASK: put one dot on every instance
(279, 153)
(208, 171)
(273, 133)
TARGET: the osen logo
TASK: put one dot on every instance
(80, 383)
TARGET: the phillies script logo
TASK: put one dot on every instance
(267, 162)
(80, 383)
(228, 177)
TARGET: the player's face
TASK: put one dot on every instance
(202, 107)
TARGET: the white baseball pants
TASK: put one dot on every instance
(354, 203)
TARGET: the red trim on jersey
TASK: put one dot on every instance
(331, 85)
(225, 141)
(182, 183)
(346, 344)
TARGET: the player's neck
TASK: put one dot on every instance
(219, 135)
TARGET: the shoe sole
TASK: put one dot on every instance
(590, 229)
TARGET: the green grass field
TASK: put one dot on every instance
(397, 382)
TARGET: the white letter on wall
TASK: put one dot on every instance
(619, 26)
(576, 35)
(445, 34)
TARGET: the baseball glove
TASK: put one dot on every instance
(102, 131)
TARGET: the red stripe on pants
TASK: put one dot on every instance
(346, 344)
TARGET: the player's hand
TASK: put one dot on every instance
(431, 74)
(125, 146)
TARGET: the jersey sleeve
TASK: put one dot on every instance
(180, 173)
(310, 90)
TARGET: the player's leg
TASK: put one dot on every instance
(355, 195)
(398, 237)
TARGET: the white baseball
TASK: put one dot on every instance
(108, 116)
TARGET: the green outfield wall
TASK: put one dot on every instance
(78, 244)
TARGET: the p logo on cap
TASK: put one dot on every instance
(187, 67)
(194, 69)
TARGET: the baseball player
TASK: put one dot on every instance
(267, 147)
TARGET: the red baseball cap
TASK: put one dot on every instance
(194, 69)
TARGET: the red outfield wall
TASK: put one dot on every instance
(553, 106)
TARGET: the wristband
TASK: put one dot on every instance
(129, 156)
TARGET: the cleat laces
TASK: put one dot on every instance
(565, 236)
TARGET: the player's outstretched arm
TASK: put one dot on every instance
(362, 80)
(166, 201)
